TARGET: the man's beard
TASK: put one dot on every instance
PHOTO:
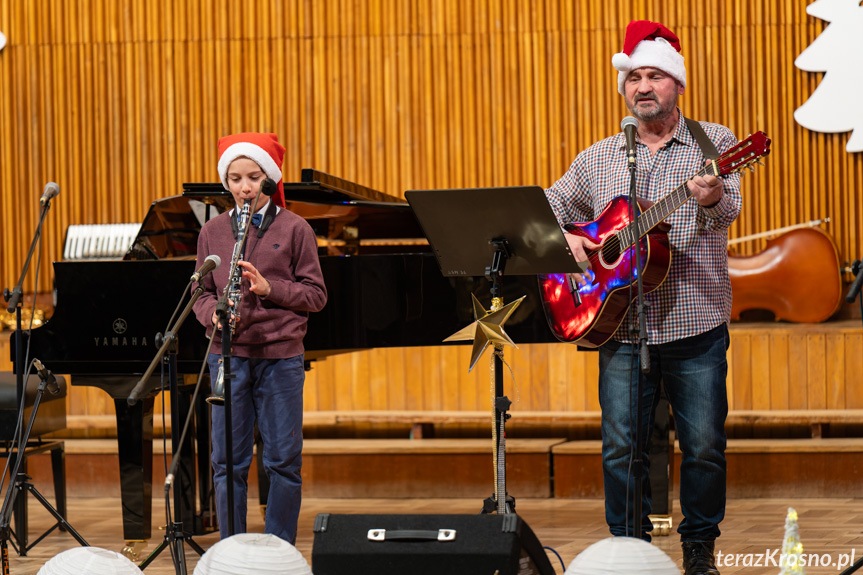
(658, 113)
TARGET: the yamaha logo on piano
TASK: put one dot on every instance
(120, 340)
(120, 325)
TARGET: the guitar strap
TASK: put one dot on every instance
(707, 148)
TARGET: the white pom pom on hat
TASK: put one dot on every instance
(649, 44)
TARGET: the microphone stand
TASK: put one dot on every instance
(268, 187)
(17, 484)
(174, 533)
(853, 292)
(14, 298)
(643, 354)
(223, 314)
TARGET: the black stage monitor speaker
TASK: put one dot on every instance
(426, 545)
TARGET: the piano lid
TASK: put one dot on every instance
(347, 218)
(314, 187)
(171, 227)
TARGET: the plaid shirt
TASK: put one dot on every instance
(696, 295)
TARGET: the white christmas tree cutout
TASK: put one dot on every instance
(835, 104)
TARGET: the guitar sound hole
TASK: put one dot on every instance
(611, 250)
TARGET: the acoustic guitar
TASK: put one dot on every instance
(589, 315)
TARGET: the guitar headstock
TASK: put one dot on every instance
(743, 155)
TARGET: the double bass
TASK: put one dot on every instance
(797, 276)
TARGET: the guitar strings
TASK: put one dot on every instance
(614, 241)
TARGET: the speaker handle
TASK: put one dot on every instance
(412, 535)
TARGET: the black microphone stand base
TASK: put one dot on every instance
(22, 484)
(857, 565)
(174, 537)
(489, 504)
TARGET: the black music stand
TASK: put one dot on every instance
(489, 232)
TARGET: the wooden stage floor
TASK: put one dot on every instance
(828, 527)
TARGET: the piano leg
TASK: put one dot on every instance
(135, 450)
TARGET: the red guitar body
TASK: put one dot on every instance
(605, 301)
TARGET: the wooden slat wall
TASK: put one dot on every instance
(543, 378)
(120, 101)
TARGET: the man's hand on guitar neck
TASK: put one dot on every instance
(579, 246)
(707, 190)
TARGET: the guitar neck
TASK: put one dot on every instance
(659, 212)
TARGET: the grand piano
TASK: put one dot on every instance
(385, 290)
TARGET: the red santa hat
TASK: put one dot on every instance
(263, 149)
(649, 44)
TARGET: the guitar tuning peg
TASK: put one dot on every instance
(759, 162)
(751, 168)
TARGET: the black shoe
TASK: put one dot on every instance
(698, 558)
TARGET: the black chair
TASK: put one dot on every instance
(51, 417)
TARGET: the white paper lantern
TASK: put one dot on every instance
(252, 554)
(87, 561)
(622, 556)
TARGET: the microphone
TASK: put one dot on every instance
(51, 191)
(268, 187)
(629, 125)
(47, 376)
(212, 262)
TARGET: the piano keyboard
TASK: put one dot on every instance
(98, 241)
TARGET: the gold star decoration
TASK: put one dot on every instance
(487, 329)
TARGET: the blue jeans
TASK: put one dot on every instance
(271, 392)
(693, 372)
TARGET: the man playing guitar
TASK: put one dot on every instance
(687, 314)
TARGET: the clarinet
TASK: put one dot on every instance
(234, 290)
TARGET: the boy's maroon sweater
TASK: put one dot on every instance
(287, 257)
